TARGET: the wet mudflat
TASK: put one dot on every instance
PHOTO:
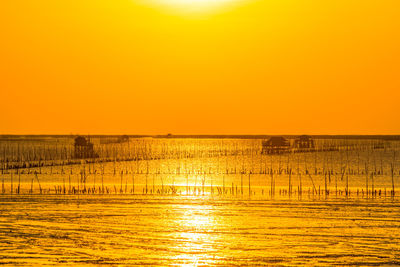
(197, 230)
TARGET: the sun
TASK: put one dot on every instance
(193, 2)
(193, 6)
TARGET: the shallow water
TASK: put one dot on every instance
(231, 206)
(159, 163)
(180, 230)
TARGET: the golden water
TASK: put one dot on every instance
(178, 230)
(201, 226)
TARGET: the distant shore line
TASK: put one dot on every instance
(210, 136)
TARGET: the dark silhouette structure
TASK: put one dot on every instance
(123, 139)
(84, 148)
(304, 142)
(275, 145)
(114, 140)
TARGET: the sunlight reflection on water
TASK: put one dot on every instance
(187, 231)
(192, 226)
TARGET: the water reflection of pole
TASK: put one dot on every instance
(19, 181)
(241, 183)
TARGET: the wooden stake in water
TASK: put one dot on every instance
(126, 184)
(249, 185)
(223, 184)
(366, 179)
(312, 181)
(336, 184)
(12, 188)
(102, 182)
(120, 189)
(154, 188)
(162, 185)
(372, 184)
(241, 183)
(77, 178)
(133, 183)
(392, 171)
(290, 182)
(19, 182)
(300, 185)
(69, 184)
(94, 180)
(37, 178)
(272, 181)
(146, 184)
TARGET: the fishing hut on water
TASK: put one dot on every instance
(304, 142)
(275, 145)
(84, 148)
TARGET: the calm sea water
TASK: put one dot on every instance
(194, 227)
(178, 230)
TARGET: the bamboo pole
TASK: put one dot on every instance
(11, 186)
(19, 182)
(392, 172)
(241, 183)
(249, 185)
(372, 185)
(290, 182)
(366, 180)
(37, 179)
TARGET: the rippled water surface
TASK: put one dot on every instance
(199, 202)
(196, 230)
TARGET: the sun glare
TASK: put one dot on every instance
(193, 6)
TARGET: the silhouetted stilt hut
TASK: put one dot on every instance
(84, 148)
(275, 145)
(304, 142)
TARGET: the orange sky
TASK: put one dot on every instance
(246, 67)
